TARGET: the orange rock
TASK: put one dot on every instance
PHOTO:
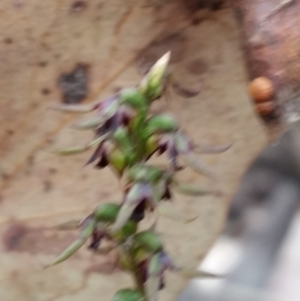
(265, 108)
(261, 89)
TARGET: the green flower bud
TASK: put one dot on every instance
(144, 173)
(141, 255)
(124, 260)
(163, 123)
(149, 241)
(118, 160)
(133, 98)
(152, 84)
(128, 230)
(152, 144)
(122, 139)
(128, 295)
(107, 212)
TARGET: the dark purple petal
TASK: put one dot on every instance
(137, 193)
(166, 261)
(172, 155)
(104, 106)
(126, 114)
(86, 221)
(126, 119)
(139, 212)
(142, 267)
(167, 193)
(97, 153)
(96, 239)
(103, 162)
(104, 129)
(162, 283)
(162, 148)
(151, 154)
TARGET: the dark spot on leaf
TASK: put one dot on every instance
(78, 6)
(45, 91)
(20, 238)
(74, 85)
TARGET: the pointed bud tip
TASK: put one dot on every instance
(166, 57)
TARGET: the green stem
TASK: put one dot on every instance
(137, 277)
(136, 274)
(138, 135)
(139, 140)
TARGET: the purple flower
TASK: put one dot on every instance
(97, 237)
(177, 145)
(100, 154)
(137, 198)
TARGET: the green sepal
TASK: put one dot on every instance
(128, 230)
(149, 241)
(152, 283)
(190, 190)
(128, 295)
(151, 144)
(195, 164)
(89, 123)
(133, 98)
(145, 173)
(78, 149)
(117, 160)
(107, 212)
(167, 210)
(86, 108)
(131, 201)
(77, 244)
(163, 123)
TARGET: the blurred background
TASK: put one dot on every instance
(69, 51)
(258, 250)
